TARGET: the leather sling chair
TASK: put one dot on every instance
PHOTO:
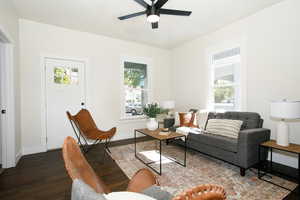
(203, 192)
(78, 168)
(85, 128)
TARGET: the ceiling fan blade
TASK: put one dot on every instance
(160, 3)
(175, 12)
(132, 15)
(142, 3)
(154, 25)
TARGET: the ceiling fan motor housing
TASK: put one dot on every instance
(151, 10)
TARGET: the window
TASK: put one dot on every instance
(136, 89)
(65, 75)
(225, 89)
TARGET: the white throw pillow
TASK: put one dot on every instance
(224, 127)
(177, 121)
(202, 118)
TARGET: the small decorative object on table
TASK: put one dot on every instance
(169, 120)
(164, 131)
(152, 110)
(284, 110)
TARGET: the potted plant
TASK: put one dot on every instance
(151, 111)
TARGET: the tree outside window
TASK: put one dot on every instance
(226, 80)
(136, 88)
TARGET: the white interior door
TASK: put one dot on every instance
(65, 91)
(1, 102)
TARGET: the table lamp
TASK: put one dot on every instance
(168, 105)
(169, 121)
(284, 110)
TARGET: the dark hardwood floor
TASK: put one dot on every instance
(43, 176)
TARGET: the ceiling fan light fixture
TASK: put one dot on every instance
(153, 18)
(154, 10)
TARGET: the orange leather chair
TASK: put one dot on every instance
(85, 127)
(78, 168)
(203, 192)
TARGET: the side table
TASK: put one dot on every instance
(271, 144)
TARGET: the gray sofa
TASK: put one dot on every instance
(242, 152)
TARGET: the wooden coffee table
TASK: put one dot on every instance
(155, 135)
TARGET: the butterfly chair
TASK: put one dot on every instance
(86, 129)
(203, 192)
(78, 168)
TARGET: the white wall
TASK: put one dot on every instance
(10, 25)
(271, 53)
(103, 75)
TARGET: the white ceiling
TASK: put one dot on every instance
(100, 17)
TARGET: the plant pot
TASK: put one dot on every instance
(152, 124)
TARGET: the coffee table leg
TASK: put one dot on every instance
(185, 148)
(299, 170)
(271, 164)
(135, 143)
(160, 157)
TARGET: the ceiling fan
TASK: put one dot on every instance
(154, 11)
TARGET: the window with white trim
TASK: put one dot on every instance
(136, 89)
(225, 82)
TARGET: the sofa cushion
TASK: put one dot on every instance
(224, 127)
(250, 119)
(221, 142)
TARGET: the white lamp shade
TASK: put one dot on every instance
(168, 104)
(285, 109)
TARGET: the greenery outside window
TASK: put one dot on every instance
(136, 89)
(226, 80)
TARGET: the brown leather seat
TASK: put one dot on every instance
(85, 127)
(203, 192)
(78, 168)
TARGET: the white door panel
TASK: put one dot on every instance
(1, 102)
(65, 91)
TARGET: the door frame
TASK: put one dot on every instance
(43, 57)
(9, 157)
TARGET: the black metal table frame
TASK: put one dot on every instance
(160, 153)
(267, 172)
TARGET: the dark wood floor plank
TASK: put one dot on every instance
(43, 176)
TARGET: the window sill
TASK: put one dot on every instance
(133, 119)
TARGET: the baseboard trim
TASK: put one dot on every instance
(18, 157)
(41, 149)
(33, 150)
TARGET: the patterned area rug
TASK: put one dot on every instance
(200, 169)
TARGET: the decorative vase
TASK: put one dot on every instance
(152, 124)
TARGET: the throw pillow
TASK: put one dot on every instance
(82, 191)
(188, 119)
(202, 119)
(224, 127)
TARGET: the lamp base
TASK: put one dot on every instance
(283, 134)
